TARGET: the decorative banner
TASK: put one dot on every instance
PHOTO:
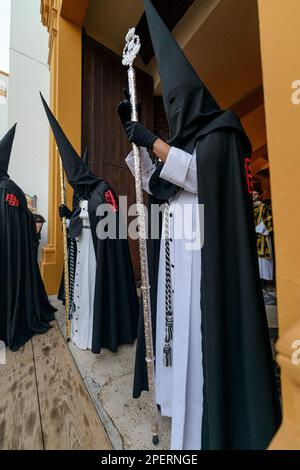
(249, 178)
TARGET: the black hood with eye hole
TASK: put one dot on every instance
(191, 109)
(77, 197)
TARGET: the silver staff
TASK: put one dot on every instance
(131, 50)
(65, 246)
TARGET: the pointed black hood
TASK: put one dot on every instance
(5, 150)
(78, 173)
(77, 196)
(191, 109)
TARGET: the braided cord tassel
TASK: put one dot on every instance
(169, 324)
(72, 268)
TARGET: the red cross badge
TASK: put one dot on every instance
(12, 200)
(110, 199)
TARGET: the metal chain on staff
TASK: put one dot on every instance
(130, 52)
(65, 244)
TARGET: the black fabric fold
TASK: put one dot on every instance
(76, 224)
(116, 308)
(241, 403)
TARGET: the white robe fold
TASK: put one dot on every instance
(84, 287)
(180, 387)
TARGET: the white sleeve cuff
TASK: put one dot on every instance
(146, 162)
(148, 167)
(176, 167)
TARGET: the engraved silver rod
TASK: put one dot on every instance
(141, 210)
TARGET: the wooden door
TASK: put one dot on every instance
(104, 78)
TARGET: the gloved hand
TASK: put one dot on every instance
(124, 108)
(139, 135)
(64, 211)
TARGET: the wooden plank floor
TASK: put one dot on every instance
(20, 424)
(44, 403)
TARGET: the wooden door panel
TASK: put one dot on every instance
(103, 80)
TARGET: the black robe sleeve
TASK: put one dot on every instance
(24, 306)
(116, 300)
(241, 405)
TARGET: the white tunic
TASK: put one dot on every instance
(265, 265)
(84, 287)
(180, 387)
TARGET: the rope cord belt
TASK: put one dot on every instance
(72, 269)
(168, 293)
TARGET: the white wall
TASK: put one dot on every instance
(4, 79)
(29, 74)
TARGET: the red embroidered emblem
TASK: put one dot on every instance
(110, 199)
(249, 175)
(12, 200)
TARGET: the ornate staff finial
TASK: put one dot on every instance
(132, 47)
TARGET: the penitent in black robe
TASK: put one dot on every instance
(115, 314)
(116, 310)
(241, 408)
(24, 306)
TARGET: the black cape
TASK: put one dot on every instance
(116, 307)
(241, 406)
(24, 306)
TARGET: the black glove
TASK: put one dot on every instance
(124, 108)
(139, 135)
(64, 212)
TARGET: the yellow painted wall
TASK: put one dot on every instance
(254, 124)
(66, 63)
(280, 35)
